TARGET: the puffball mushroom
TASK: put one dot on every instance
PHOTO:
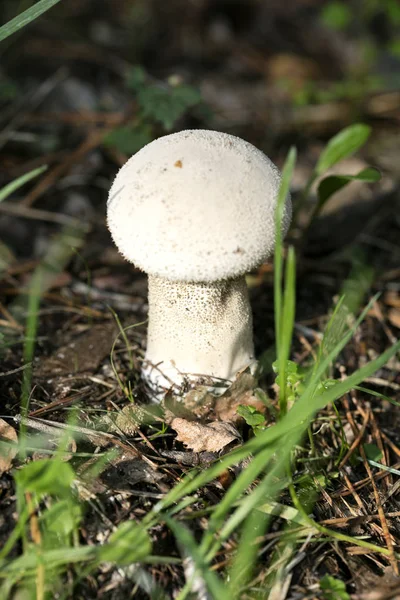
(195, 210)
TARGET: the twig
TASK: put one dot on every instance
(385, 529)
(93, 139)
(356, 442)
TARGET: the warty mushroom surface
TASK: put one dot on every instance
(195, 210)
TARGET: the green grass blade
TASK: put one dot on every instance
(297, 418)
(377, 395)
(274, 481)
(286, 329)
(246, 555)
(10, 188)
(278, 257)
(238, 487)
(26, 17)
(322, 366)
(359, 281)
(186, 541)
(32, 323)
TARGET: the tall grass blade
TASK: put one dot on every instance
(278, 257)
(186, 541)
(286, 328)
(26, 17)
(10, 188)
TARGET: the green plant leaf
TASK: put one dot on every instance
(62, 517)
(332, 184)
(26, 17)
(372, 452)
(251, 415)
(46, 476)
(130, 138)
(136, 78)
(162, 103)
(128, 544)
(167, 105)
(343, 144)
(333, 589)
(10, 188)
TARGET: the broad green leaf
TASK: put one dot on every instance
(10, 188)
(62, 517)
(372, 452)
(251, 415)
(333, 589)
(162, 103)
(343, 144)
(26, 17)
(332, 184)
(130, 138)
(128, 544)
(167, 105)
(46, 476)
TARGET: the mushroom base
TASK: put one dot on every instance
(197, 333)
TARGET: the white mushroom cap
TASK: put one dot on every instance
(196, 206)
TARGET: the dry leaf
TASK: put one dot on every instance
(200, 404)
(127, 420)
(212, 437)
(392, 298)
(240, 393)
(226, 407)
(394, 317)
(7, 452)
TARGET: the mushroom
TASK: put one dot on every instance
(195, 210)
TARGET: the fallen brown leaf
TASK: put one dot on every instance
(394, 317)
(127, 420)
(392, 298)
(212, 437)
(240, 393)
(7, 452)
(201, 404)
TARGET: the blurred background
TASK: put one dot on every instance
(91, 81)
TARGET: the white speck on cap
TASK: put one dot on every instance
(197, 206)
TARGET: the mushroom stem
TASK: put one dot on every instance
(197, 329)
